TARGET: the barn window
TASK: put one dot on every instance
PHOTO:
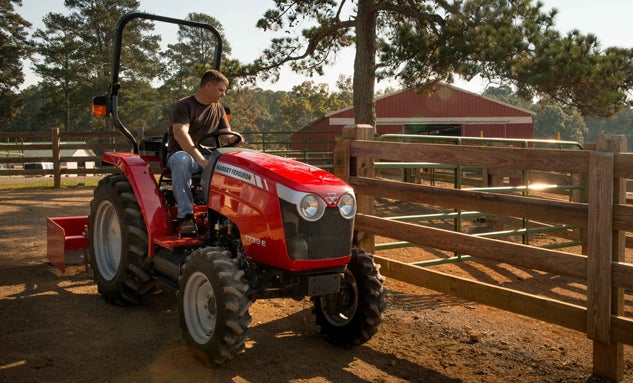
(433, 129)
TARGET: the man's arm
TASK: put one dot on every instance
(227, 128)
(181, 135)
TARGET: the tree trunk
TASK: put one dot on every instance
(365, 64)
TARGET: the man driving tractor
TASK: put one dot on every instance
(191, 118)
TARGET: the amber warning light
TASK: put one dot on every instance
(99, 106)
(227, 111)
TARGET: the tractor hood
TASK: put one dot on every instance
(264, 168)
(289, 215)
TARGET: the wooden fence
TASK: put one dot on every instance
(603, 220)
(19, 148)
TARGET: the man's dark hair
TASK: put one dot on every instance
(213, 76)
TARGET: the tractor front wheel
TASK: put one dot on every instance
(352, 316)
(118, 242)
(213, 305)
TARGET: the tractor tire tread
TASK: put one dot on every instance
(229, 335)
(135, 282)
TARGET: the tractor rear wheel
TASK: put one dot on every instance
(352, 316)
(118, 242)
(213, 305)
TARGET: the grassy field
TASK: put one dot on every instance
(19, 182)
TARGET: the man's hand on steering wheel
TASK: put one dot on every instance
(234, 141)
(237, 140)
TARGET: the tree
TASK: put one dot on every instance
(505, 94)
(75, 60)
(553, 122)
(269, 119)
(344, 95)
(421, 42)
(96, 21)
(29, 118)
(61, 68)
(14, 47)
(192, 54)
(550, 120)
(308, 102)
(620, 123)
(245, 108)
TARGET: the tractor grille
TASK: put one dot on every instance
(329, 237)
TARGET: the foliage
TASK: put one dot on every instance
(418, 42)
(269, 118)
(316, 46)
(308, 102)
(571, 70)
(141, 103)
(550, 120)
(30, 116)
(72, 73)
(74, 63)
(553, 122)
(620, 123)
(14, 46)
(505, 94)
(246, 109)
(193, 53)
(424, 41)
(62, 69)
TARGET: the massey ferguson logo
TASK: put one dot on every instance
(331, 198)
(241, 174)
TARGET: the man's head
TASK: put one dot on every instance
(213, 76)
(213, 85)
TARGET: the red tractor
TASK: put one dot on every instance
(269, 227)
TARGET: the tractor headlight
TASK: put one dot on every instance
(311, 207)
(347, 206)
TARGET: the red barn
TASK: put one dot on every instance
(445, 111)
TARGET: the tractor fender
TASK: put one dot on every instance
(150, 200)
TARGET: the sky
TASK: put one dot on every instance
(609, 20)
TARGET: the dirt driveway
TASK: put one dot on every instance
(55, 328)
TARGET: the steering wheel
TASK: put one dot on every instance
(207, 149)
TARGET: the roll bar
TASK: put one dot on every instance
(113, 91)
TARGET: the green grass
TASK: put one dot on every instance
(21, 183)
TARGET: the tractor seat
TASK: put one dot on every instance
(165, 172)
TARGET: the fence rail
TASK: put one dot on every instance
(58, 148)
(603, 220)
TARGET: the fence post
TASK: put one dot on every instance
(361, 167)
(341, 160)
(604, 246)
(57, 162)
(494, 179)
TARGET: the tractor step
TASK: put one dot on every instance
(167, 265)
(173, 241)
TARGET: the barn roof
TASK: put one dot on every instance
(442, 104)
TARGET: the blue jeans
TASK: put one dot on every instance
(182, 167)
